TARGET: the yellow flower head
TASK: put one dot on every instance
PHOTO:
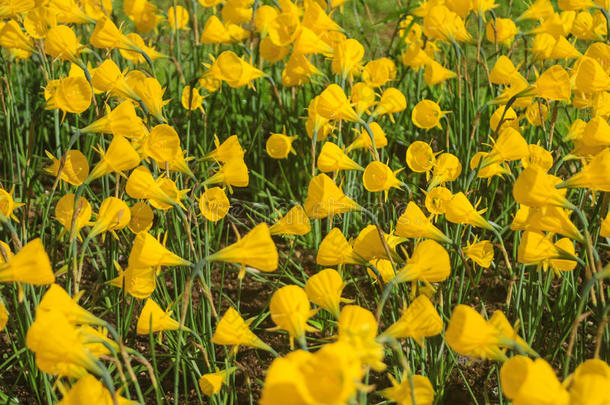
(378, 72)
(332, 104)
(290, 311)
(420, 157)
(154, 319)
(70, 94)
(527, 381)
(482, 253)
(418, 321)
(379, 177)
(139, 282)
(8, 205)
(58, 347)
(423, 392)
(120, 156)
(214, 204)
(460, 211)
(324, 289)
(437, 200)
(149, 252)
(230, 149)
(358, 328)
(335, 250)
(232, 330)
(30, 265)
(332, 159)
(429, 263)
(256, 249)
(427, 114)
(113, 215)
(191, 99)
(62, 43)
(178, 18)
(346, 58)
(89, 389)
(57, 299)
(535, 188)
(363, 140)
(325, 199)
(414, 224)
(279, 145)
(447, 167)
(593, 175)
(295, 222)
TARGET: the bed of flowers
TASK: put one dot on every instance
(304, 202)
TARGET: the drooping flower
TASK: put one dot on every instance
(149, 252)
(70, 94)
(120, 156)
(509, 145)
(324, 289)
(535, 188)
(418, 321)
(346, 58)
(429, 263)
(232, 330)
(191, 99)
(74, 170)
(62, 43)
(420, 157)
(482, 253)
(31, 265)
(295, 222)
(459, 210)
(358, 328)
(437, 200)
(58, 348)
(363, 141)
(233, 70)
(470, 335)
(501, 30)
(8, 205)
(593, 175)
(379, 177)
(290, 311)
(332, 159)
(279, 145)
(447, 167)
(333, 105)
(256, 249)
(154, 319)
(427, 114)
(325, 199)
(414, 224)
(58, 299)
(142, 185)
(211, 383)
(527, 381)
(64, 213)
(392, 101)
(546, 219)
(403, 393)
(378, 72)
(233, 173)
(335, 250)
(178, 18)
(139, 282)
(214, 204)
(89, 390)
(113, 215)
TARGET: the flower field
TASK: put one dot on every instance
(308, 202)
